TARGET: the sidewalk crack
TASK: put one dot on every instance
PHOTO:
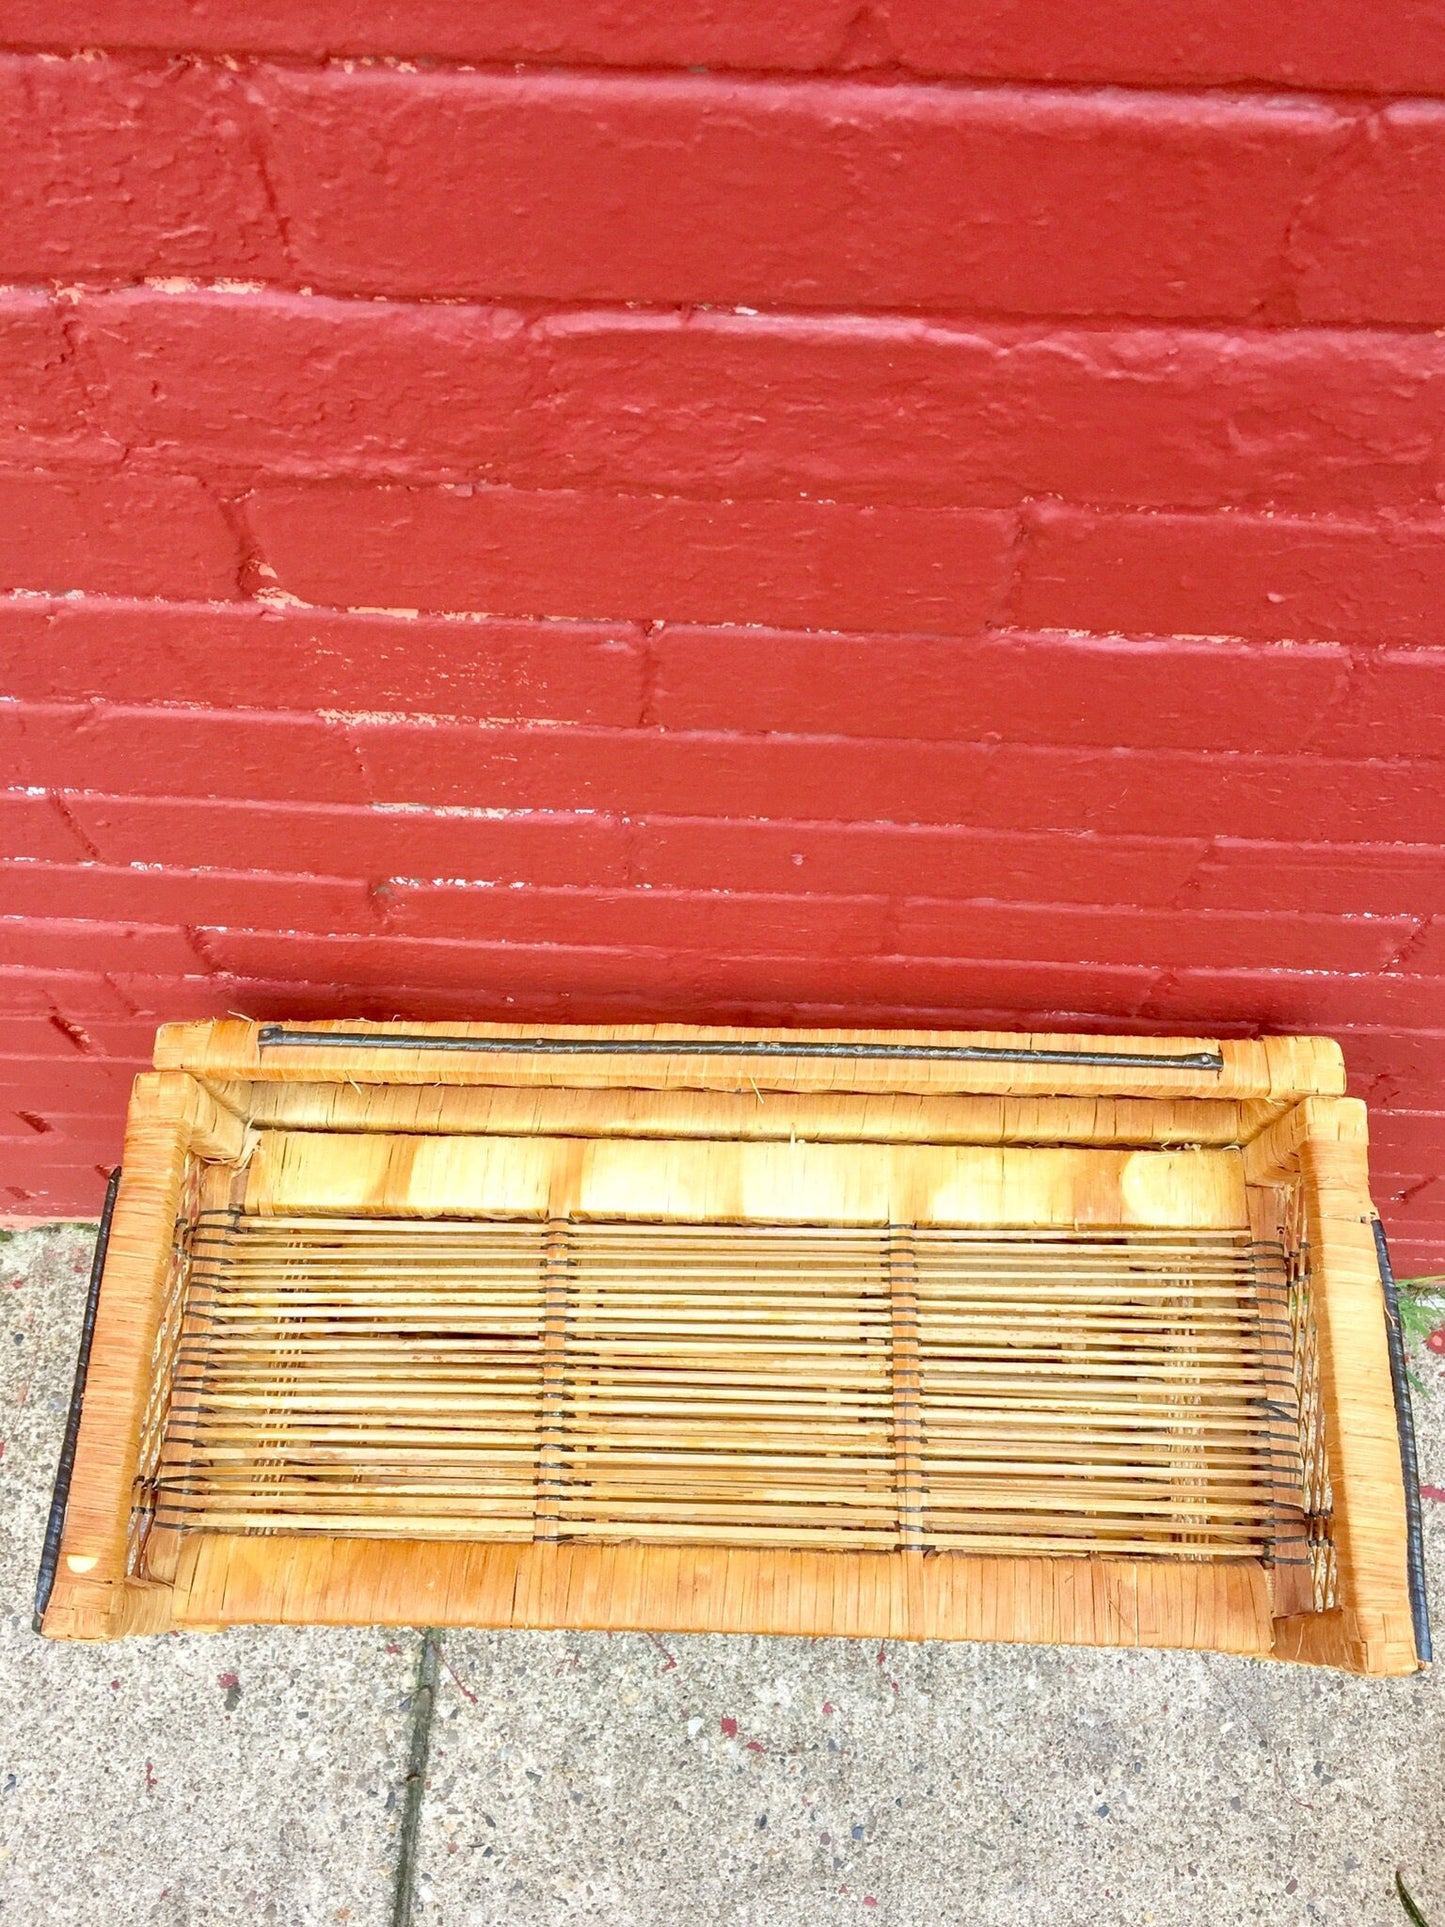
(423, 1711)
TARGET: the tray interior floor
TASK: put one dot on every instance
(1121, 1391)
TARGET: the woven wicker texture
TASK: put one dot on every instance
(770, 1332)
(734, 1385)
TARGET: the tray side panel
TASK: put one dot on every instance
(171, 1123)
(689, 1057)
(1370, 1630)
(231, 1580)
(745, 1182)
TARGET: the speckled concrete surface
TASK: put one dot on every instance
(589, 1779)
(190, 1781)
(737, 1783)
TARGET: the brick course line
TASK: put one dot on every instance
(1330, 44)
(423, 1714)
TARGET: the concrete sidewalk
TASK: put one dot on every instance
(259, 1777)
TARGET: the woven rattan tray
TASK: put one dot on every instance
(920, 1335)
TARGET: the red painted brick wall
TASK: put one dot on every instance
(768, 511)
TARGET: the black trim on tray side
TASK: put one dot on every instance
(276, 1036)
(1409, 1464)
(60, 1497)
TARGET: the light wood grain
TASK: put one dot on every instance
(745, 1182)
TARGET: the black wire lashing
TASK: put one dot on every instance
(1409, 1463)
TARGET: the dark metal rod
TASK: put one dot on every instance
(274, 1036)
(1409, 1465)
(60, 1497)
